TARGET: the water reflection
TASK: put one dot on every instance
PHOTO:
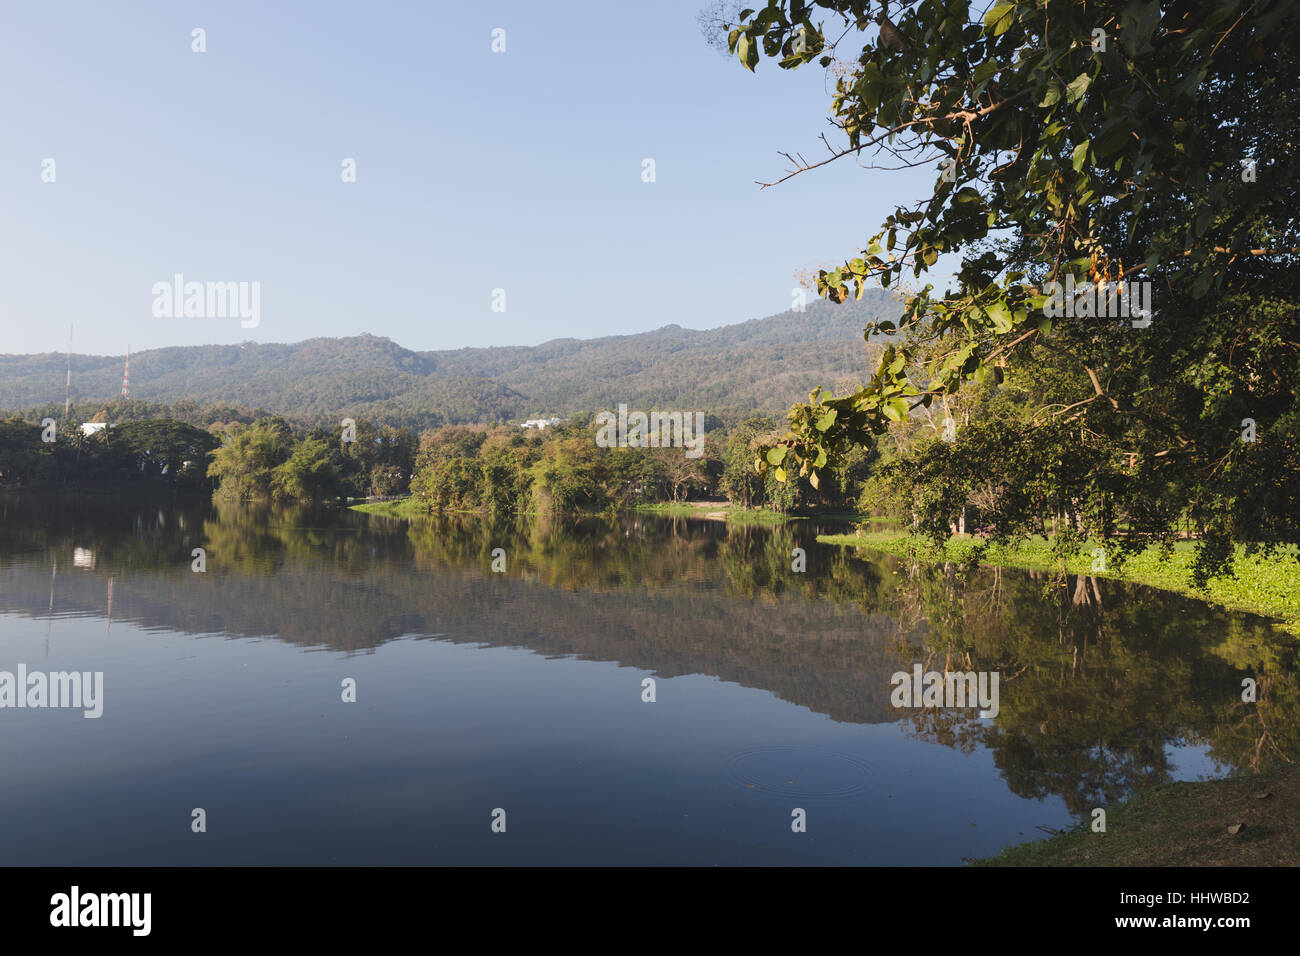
(1101, 682)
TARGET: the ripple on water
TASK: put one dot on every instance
(795, 770)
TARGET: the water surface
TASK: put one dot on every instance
(523, 691)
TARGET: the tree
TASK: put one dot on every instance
(568, 478)
(306, 475)
(243, 466)
(25, 460)
(1114, 141)
(680, 475)
(740, 482)
(163, 448)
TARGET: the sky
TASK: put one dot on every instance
(475, 171)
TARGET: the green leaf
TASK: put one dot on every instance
(986, 70)
(1080, 155)
(1137, 22)
(747, 50)
(1202, 221)
(999, 19)
(1000, 315)
(776, 455)
(1078, 86)
(896, 410)
(827, 420)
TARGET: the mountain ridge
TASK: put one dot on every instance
(760, 365)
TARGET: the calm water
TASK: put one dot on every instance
(523, 691)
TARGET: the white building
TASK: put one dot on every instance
(90, 428)
(541, 424)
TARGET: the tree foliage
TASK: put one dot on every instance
(163, 451)
(1116, 141)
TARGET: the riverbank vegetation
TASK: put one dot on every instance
(499, 469)
(166, 454)
(1249, 820)
(269, 460)
(1267, 584)
(562, 470)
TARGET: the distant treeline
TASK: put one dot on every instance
(506, 469)
(162, 451)
(495, 469)
(266, 458)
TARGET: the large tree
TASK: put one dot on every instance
(1111, 141)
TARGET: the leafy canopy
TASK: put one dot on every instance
(1118, 140)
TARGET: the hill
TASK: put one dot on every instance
(761, 365)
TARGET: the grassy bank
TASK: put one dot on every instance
(406, 508)
(683, 509)
(716, 510)
(409, 508)
(1184, 824)
(1263, 585)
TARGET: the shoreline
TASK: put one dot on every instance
(407, 509)
(1265, 585)
(1182, 824)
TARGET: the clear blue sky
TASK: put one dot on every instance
(475, 171)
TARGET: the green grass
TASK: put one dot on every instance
(760, 516)
(406, 508)
(409, 508)
(678, 509)
(1263, 585)
(1183, 824)
(700, 509)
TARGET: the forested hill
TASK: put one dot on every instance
(761, 365)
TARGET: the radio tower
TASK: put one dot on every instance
(126, 374)
(67, 393)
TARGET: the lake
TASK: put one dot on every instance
(480, 691)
